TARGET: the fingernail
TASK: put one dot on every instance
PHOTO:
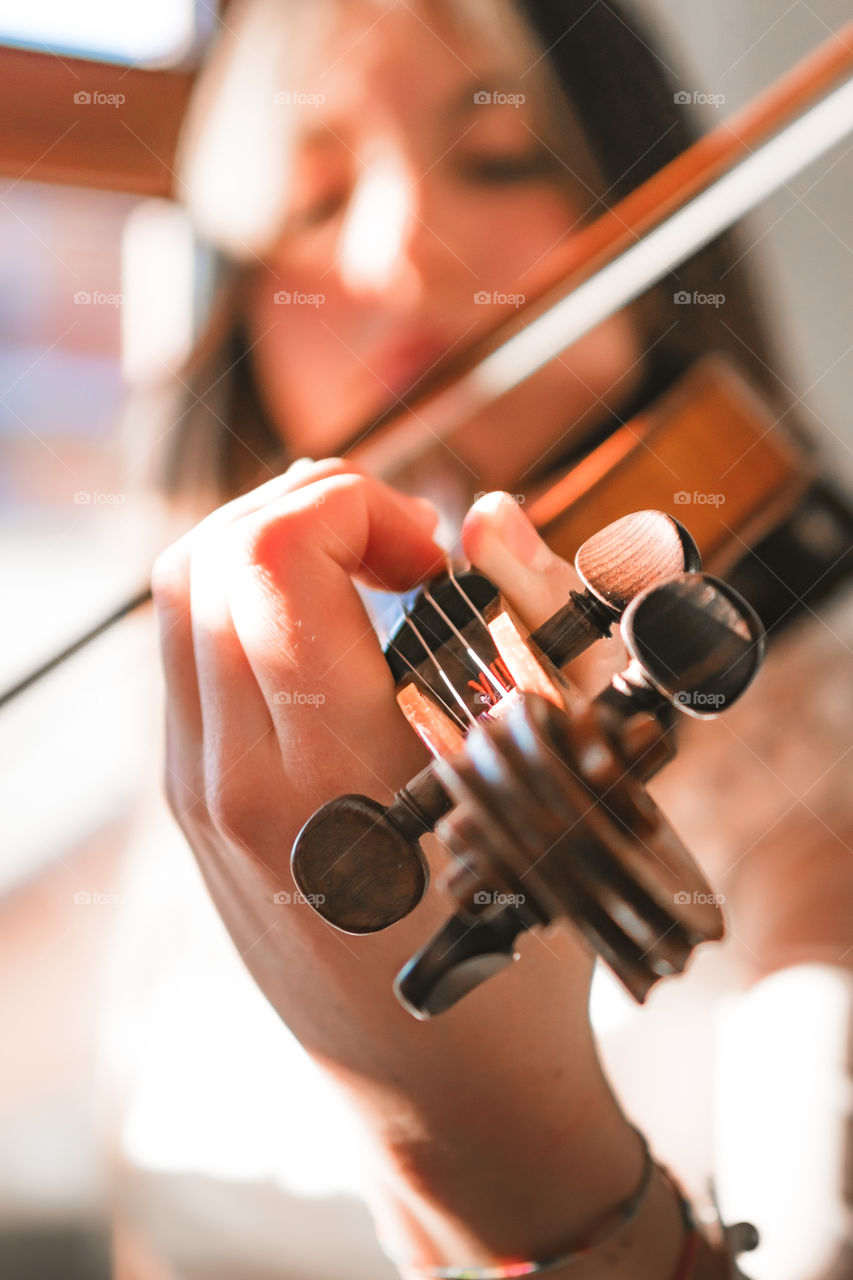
(516, 532)
(299, 465)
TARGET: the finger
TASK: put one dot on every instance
(182, 766)
(237, 729)
(170, 586)
(236, 724)
(171, 589)
(501, 542)
(305, 632)
(300, 472)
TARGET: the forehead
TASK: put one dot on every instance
(370, 62)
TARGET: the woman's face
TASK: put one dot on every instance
(425, 202)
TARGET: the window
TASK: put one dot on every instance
(157, 31)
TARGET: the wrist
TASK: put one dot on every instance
(650, 1236)
(524, 1198)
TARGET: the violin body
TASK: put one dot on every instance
(710, 450)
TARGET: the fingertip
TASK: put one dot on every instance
(497, 522)
(427, 518)
(403, 550)
(487, 503)
(425, 513)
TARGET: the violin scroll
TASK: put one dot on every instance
(360, 864)
(551, 818)
(542, 801)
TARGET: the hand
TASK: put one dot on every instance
(279, 699)
(278, 695)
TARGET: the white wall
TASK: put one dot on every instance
(802, 239)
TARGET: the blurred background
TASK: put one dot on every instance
(101, 282)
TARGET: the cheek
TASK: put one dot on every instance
(294, 327)
(523, 230)
(293, 310)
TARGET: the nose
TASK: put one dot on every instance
(387, 246)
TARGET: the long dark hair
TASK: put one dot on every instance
(624, 94)
(623, 97)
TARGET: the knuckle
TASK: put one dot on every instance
(331, 466)
(169, 576)
(272, 539)
(182, 798)
(276, 537)
(182, 789)
(235, 812)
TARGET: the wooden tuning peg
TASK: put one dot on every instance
(627, 557)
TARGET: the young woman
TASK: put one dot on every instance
(371, 172)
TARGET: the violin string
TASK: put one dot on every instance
(474, 608)
(464, 594)
(476, 659)
(445, 704)
(440, 670)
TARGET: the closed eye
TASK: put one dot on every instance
(505, 169)
(316, 212)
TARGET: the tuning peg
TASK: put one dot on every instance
(360, 864)
(550, 822)
(459, 958)
(634, 553)
(694, 644)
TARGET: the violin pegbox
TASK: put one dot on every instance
(537, 791)
(459, 653)
(551, 815)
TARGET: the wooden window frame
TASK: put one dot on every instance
(50, 137)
